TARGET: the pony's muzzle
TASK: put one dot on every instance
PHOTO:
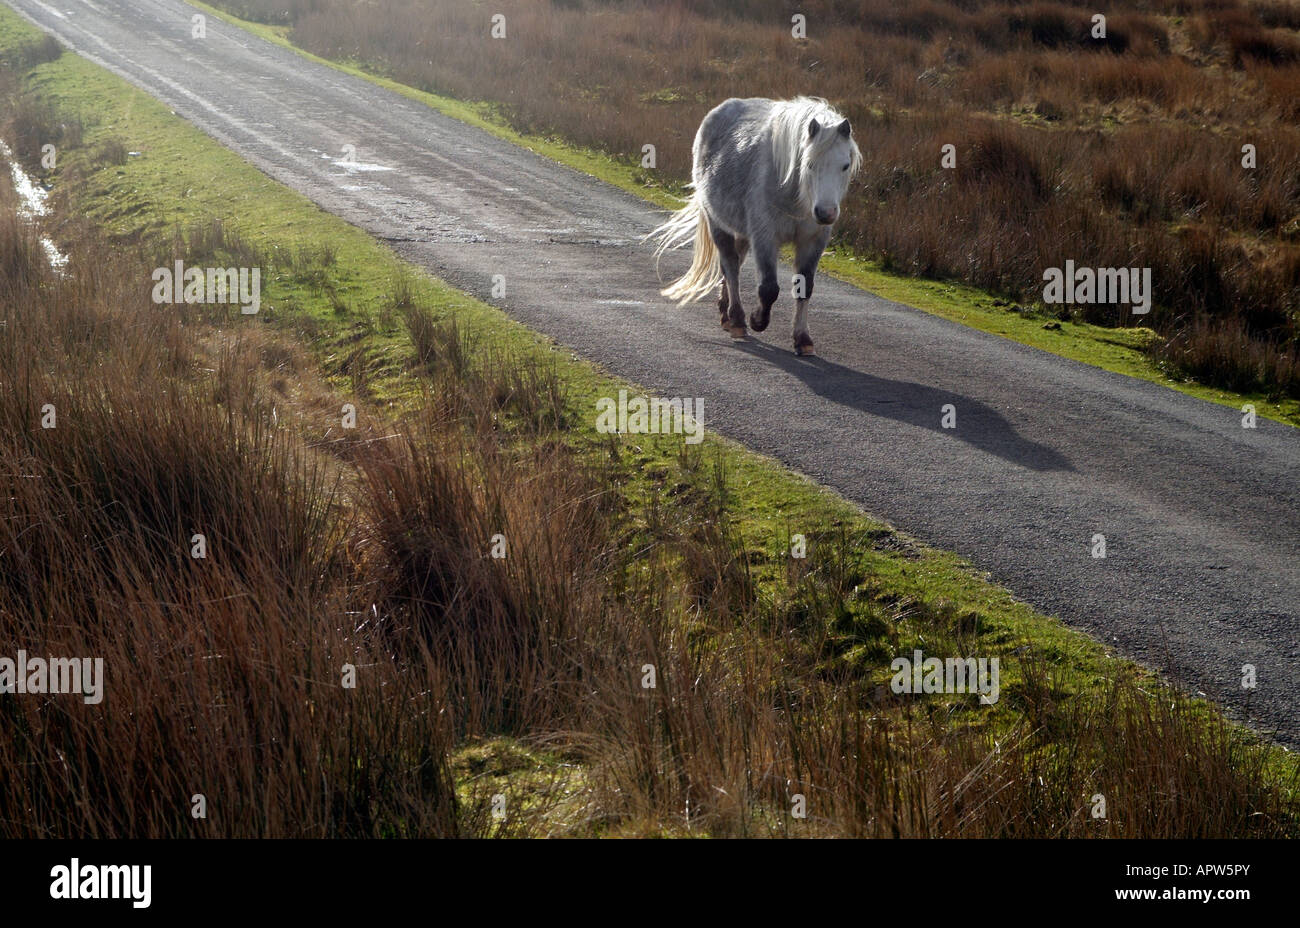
(826, 214)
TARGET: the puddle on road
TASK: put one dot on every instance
(31, 205)
(350, 166)
(359, 167)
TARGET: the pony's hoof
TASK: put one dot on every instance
(736, 331)
(804, 350)
(758, 323)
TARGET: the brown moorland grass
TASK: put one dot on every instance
(369, 548)
(1131, 145)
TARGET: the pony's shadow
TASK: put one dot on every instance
(912, 403)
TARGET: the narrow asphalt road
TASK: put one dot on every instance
(1201, 517)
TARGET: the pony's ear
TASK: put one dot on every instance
(844, 128)
(813, 128)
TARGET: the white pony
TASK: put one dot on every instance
(766, 172)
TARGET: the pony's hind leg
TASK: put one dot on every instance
(768, 289)
(733, 319)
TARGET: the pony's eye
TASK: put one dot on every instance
(846, 167)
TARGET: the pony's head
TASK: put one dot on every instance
(814, 144)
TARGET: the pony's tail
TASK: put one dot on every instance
(706, 270)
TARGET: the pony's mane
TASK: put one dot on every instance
(791, 146)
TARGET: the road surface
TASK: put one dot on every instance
(1201, 517)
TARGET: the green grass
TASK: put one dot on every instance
(182, 178)
(1119, 350)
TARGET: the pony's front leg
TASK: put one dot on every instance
(806, 255)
